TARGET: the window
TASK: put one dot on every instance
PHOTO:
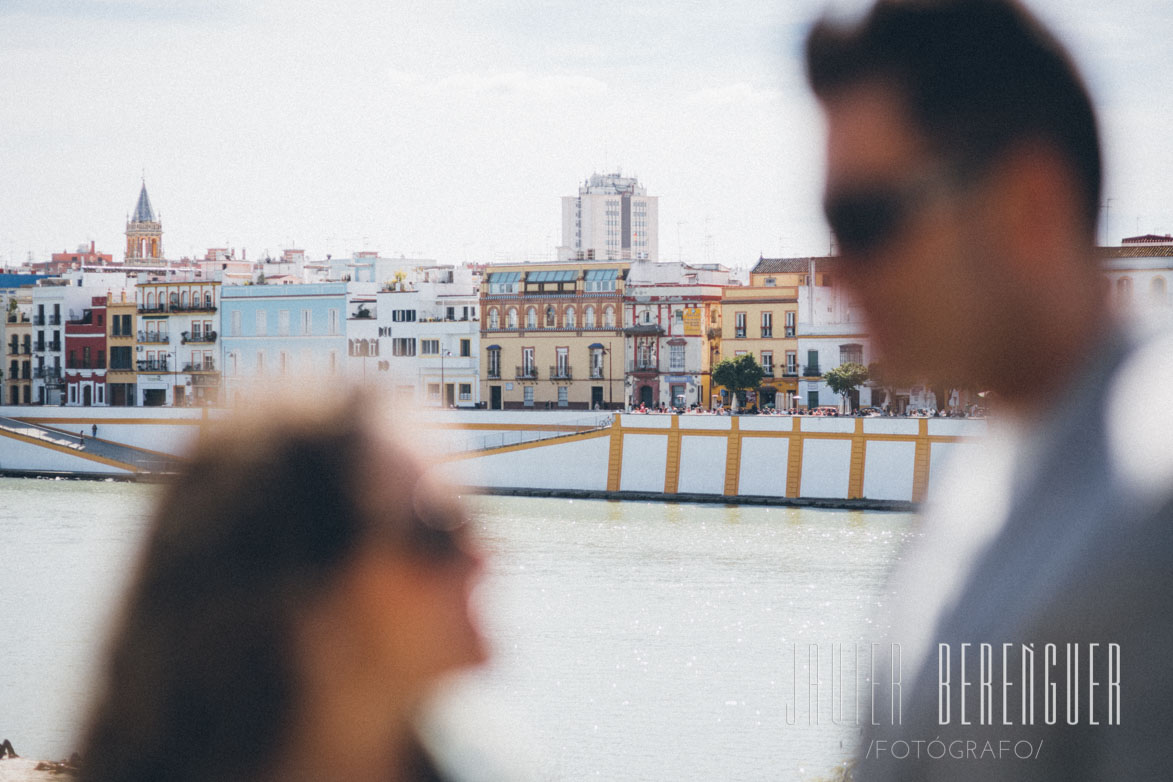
(768, 362)
(563, 396)
(262, 323)
(450, 313)
(236, 323)
(739, 324)
(183, 300)
(528, 396)
(511, 318)
(403, 346)
(429, 347)
(283, 323)
(465, 392)
(812, 363)
(434, 391)
(562, 359)
(609, 317)
(588, 317)
(851, 353)
(495, 362)
(790, 323)
(465, 348)
(527, 362)
(568, 318)
(596, 363)
(333, 321)
(551, 319)
(531, 318)
(403, 316)
(646, 317)
(771, 282)
(678, 317)
(208, 301)
(791, 362)
(307, 321)
(494, 318)
(676, 358)
(767, 324)
(503, 282)
(260, 362)
(644, 357)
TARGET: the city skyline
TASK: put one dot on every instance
(452, 132)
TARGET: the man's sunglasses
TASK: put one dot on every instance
(866, 217)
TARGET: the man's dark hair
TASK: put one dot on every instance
(979, 77)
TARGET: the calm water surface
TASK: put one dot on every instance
(633, 641)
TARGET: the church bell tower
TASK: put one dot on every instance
(144, 233)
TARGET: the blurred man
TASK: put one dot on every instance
(963, 186)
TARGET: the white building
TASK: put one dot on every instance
(831, 331)
(1138, 275)
(55, 301)
(429, 337)
(611, 218)
(668, 309)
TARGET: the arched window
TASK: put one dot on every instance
(150, 299)
(551, 318)
(494, 318)
(609, 317)
(1124, 290)
(647, 317)
(1158, 290)
(531, 318)
(183, 300)
(568, 318)
(208, 300)
(511, 318)
(588, 317)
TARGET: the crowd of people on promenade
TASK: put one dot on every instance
(970, 411)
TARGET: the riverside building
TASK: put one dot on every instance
(176, 347)
(85, 348)
(831, 332)
(18, 336)
(429, 336)
(273, 332)
(550, 332)
(669, 311)
(762, 319)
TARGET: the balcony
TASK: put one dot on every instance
(15, 318)
(14, 349)
(206, 365)
(55, 320)
(767, 370)
(811, 370)
(47, 373)
(154, 337)
(596, 373)
(560, 373)
(739, 333)
(494, 374)
(790, 332)
(527, 373)
(790, 372)
(55, 347)
(153, 365)
(644, 329)
(94, 364)
(205, 337)
(27, 348)
(38, 320)
(645, 366)
(38, 347)
(767, 333)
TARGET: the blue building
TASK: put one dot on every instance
(275, 332)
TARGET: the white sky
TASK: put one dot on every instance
(449, 129)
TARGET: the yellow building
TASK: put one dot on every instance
(762, 318)
(18, 379)
(552, 335)
(121, 328)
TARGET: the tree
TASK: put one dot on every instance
(740, 373)
(845, 378)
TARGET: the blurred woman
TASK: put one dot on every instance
(305, 584)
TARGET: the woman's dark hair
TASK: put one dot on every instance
(200, 681)
(979, 77)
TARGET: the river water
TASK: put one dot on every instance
(632, 641)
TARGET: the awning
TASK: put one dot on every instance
(564, 275)
(493, 347)
(602, 274)
(595, 346)
(504, 276)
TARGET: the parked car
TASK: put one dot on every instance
(869, 412)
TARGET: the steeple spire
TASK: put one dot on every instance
(143, 213)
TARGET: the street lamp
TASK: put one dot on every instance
(610, 375)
